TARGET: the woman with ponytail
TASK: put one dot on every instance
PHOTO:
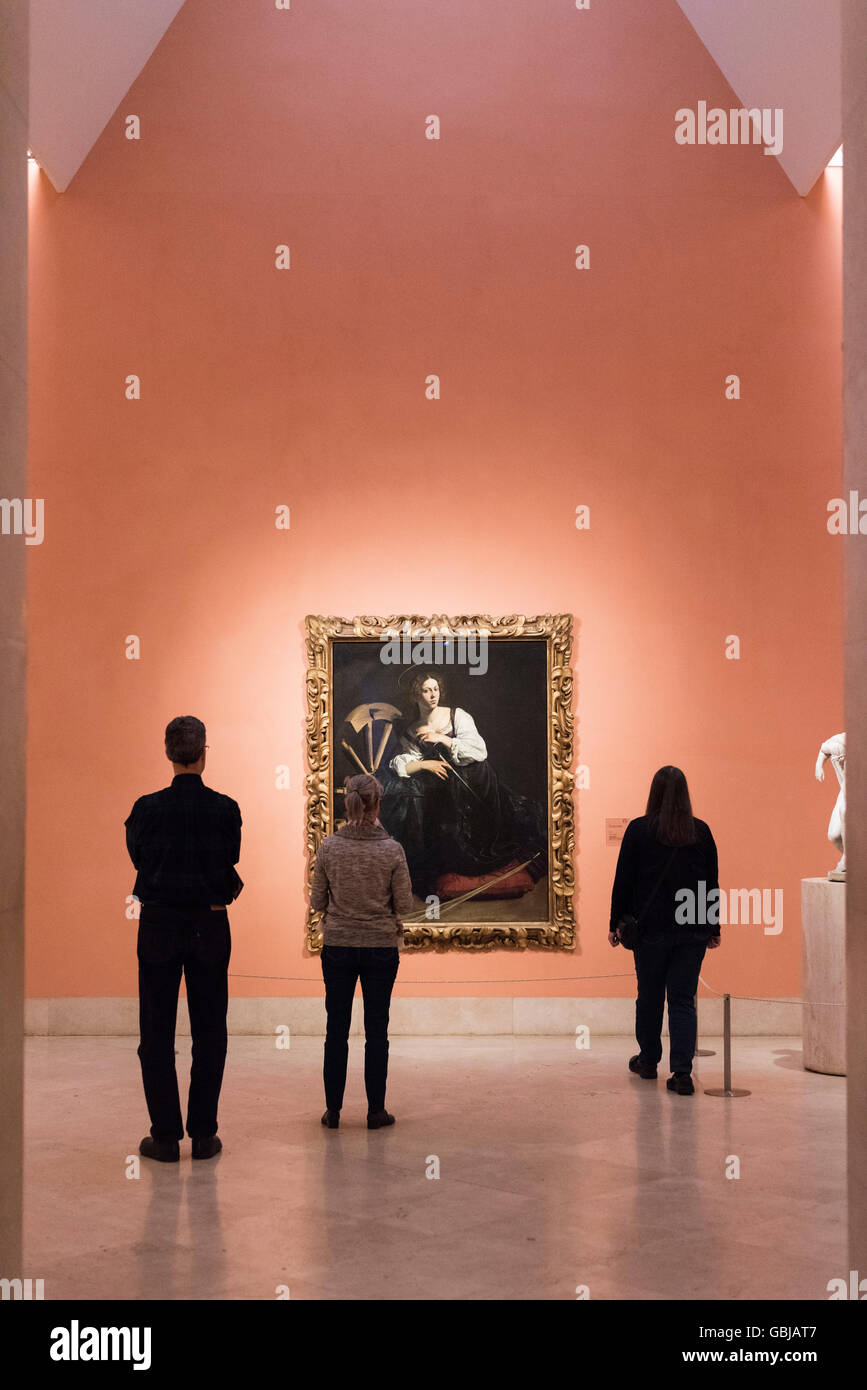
(361, 882)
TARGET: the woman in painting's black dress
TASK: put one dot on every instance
(445, 804)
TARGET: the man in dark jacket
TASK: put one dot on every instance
(184, 842)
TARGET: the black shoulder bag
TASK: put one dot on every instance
(628, 928)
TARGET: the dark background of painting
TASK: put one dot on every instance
(509, 704)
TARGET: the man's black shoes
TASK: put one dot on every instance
(169, 1150)
(207, 1148)
(378, 1119)
(163, 1150)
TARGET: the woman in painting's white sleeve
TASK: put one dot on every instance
(467, 746)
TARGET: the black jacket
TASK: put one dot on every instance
(184, 842)
(693, 871)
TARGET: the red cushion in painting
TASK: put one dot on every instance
(515, 886)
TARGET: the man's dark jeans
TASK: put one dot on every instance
(195, 942)
(341, 968)
(668, 963)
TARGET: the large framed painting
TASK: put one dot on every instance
(467, 723)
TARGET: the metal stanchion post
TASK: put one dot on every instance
(727, 1055)
(702, 1051)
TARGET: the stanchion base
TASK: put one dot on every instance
(704, 1052)
(721, 1091)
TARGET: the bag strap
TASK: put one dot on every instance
(658, 884)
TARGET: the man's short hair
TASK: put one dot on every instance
(185, 740)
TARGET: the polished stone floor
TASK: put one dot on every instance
(557, 1169)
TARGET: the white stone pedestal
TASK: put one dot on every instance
(823, 926)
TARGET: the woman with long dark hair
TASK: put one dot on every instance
(667, 879)
(361, 883)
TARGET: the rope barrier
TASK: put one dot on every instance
(545, 980)
(726, 1091)
(549, 979)
(524, 980)
(758, 999)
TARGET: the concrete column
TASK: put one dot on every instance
(14, 87)
(855, 477)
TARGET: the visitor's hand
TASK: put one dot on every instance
(436, 767)
(713, 943)
(613, 939)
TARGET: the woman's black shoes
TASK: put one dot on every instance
(641, 1068)
(375, 1119)
(681, 1082)
(378, 1119)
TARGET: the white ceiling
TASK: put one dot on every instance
(84, 57)
(781, 53)
(86, 54)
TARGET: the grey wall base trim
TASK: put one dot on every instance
(415, 1017)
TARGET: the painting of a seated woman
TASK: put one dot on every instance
(462, 827)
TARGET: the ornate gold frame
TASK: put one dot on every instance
(558, 932)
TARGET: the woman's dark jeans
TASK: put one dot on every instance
(668, 963)
(342, 966)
